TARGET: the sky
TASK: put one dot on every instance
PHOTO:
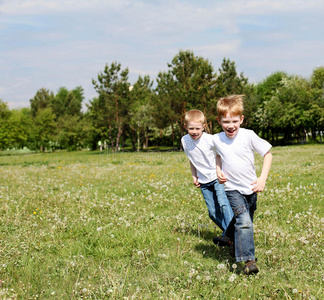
(67, 43)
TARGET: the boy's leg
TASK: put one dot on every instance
(252, 202)
(208, 193)
(225, 213)
(242, 226)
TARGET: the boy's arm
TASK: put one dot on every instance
(194, 175)
(259, 184)
(220, 174)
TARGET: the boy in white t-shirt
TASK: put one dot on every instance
(236, 170)
(202, 155)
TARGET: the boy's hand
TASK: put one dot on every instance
(195, 181)
(259, 185)
(221, 177)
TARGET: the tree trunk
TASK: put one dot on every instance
(119, 133)
(111, 139)
(146, 138)
(172, 137)
(123, 140)
(133, 137)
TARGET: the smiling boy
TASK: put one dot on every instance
(200, 150)
(236, 170)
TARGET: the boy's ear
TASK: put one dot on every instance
(185, 126)
(242, 118)
(218, 120)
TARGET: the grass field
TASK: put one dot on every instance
(86, 225)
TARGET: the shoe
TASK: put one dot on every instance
(250, 267)
(222, 241)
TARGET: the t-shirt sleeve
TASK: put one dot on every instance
(259, 145)
(214, 142)
(183, 143)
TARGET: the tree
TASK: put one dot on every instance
(268, 110)
(113, 89)
(316, 112)
(140, 110)
(67, 107)
(44, 128)
(71, 133)
(164, 111)
(286, 102)
(317, 78)
(228, 82)
(41, 100)
(5, 114)
(188, 84)
(98, 115)
(67, 102)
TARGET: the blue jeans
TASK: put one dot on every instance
(241, 228)
(219, 208)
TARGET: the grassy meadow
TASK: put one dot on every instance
(85, 225)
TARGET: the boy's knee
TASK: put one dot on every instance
(245, 225)
(242, 217)
(239, 210)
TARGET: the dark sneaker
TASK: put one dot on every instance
(251, 267)
(222, 241)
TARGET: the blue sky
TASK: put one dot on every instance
(54, 43)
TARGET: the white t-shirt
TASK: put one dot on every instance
(202, 154)
(238, 158)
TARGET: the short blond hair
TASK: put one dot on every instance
(232, 105)
(194, 115)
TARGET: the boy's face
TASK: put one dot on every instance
(195, 129)
(230, 124)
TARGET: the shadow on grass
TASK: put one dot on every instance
(207, 247)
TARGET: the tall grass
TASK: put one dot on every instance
(86, 225)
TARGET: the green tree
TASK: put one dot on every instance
(98, 115)
(285, 110)
(5, 114)
(18, 126)
(72, 132)
(67, 102)
(41, 100)
(228, 82)
(67, 107)
(141, 119)
(113, 89)
(268, 111)
(164, 111)
(317, 78)
(187, 84)
(44, 128)
(316, 112)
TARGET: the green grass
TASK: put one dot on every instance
(84, 225)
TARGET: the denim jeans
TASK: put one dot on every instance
(219, 208)
(241, 228)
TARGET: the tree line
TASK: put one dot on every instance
(284, 109)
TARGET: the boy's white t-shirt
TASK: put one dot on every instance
(237, 156)
(202, 154)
